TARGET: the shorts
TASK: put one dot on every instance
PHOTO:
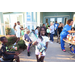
(37, 52)
(17, 34)
(9, 56)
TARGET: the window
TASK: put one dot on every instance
(59, 20)
(34, 16)
(29, 27)
(52, 20)
(28, 15)
(33, 27)
(6, 19)
(20, 18)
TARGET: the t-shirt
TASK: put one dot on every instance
(26, 37)
(56, 25)
(52, 29)
(60, 29)
(45, 39)
(47, 26)
(5, 48)
(18, 28)
(65, 30)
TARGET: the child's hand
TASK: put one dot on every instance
(16, 53)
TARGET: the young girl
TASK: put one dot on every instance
(6, 51)
(44, 39)
(27, 41)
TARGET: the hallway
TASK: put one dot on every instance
(53, 54)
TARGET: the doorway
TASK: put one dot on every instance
(65, 21)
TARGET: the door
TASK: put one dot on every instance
(52, 20)
(46, 21)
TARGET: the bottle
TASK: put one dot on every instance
(15, 47)
(68, 36)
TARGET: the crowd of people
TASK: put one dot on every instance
(45, 33)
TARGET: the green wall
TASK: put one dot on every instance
(57, 14)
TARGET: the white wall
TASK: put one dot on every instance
(38, 18)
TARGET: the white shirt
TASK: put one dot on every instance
(18, 28)
(45, 39)
(52, 29)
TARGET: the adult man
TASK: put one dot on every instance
(18, 28)
(56, 27)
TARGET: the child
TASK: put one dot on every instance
(51, 32)
(6, 53)
(44, 39)
(27, 41)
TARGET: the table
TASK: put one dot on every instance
(71, 42)
(67, 41)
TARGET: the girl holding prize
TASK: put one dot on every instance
(43, 42)
(66, 30)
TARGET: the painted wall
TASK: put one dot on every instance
(41, 18)
(57, 14)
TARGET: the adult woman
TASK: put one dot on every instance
(15, 28)
(66, 30)
(60, 27)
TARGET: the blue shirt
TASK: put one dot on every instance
(26, 37)
(56, 25)
(65, 30)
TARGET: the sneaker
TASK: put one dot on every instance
(64, 50)
(51, 42)
(28, 53)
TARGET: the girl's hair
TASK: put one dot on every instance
(37, 27)
(40, 33)
(2, 38)
(68, 22)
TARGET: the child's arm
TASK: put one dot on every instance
(10, 53)
(23, 28)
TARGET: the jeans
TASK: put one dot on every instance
(56, 32)
(62, 43)
(51, 37)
